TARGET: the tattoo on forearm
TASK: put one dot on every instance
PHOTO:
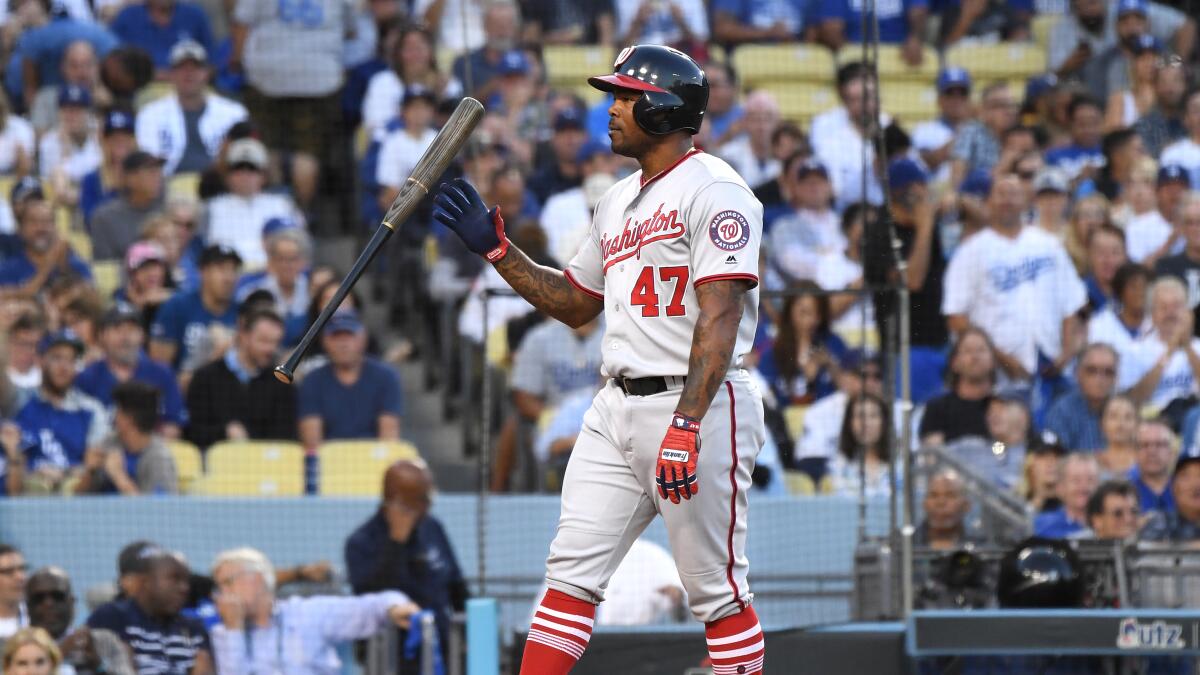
(544, 287)
(712, 344)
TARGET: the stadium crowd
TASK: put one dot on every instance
(168, 165)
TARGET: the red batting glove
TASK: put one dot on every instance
(677, 457)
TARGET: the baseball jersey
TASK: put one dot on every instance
(652, 242)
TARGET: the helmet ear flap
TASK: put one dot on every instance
(654, 112)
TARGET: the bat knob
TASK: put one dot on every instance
(283, 374)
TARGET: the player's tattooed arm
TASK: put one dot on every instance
(712, 343)
(548, 289)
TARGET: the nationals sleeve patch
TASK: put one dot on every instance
(729, 231)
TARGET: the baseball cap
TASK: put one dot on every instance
(143, 252)
(953, 77)
(1039, 84)
(1145, 43)
(978, 183)
(904, 172)
(1047, 442)
(278, 224)
(74, 95)
(26, 188)
(1186, 456)
(1051, 180)
(140, 159)
(513, 63)
(1130, 6)
(590, 149)
(65, 336)
(118, 120)
(811, 167)
(249, 151)
(188, 50)
(133, 559)
(568, 118)
(417, 92)
(343, 321)
(120, 314)
(1172, 173)
(218, 253)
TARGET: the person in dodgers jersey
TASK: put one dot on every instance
(672, 260)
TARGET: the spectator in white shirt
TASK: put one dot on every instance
(299, 635)
(403, 147)
(18, 142)
(841, 138)
(413, 61)
(1017, 284)
(812, 229)
(1164, 365)
(1124, 320)
(1148, 235)
(236, 219)
(186, 127)
(71, 150)
(566, 217)
(1186, 151)
(679, 23)
(751, 153)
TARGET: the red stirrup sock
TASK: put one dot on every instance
(735, 644)
(561, 628)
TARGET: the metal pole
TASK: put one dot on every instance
(428, 642)
(485, 439)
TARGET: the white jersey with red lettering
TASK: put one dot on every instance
(652, 243)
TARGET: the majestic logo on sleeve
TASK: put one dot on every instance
(729, 231)
(662, 225)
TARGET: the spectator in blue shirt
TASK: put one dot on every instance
(1183, 523)
(724, 111)
(901, 22)
(1151, 475)
(157, 25)
(404, 548)
(501, 28)
(67, 424)
(39, 53)
(739, 21)
(1112, 512)
(352, 396)
(1079, 475)
(1075, 416)
(116, 143)
(122, 339)
(1083, 156)
(43, 256)
(183, 332)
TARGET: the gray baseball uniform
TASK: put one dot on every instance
(652, 243)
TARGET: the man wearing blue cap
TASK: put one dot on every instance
(566, 217)
(72, 149)
(352, 396)
(559, 169)
(235, 397)
(68, 425)
(116, 142)
(934, 138)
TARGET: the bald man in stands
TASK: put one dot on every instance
(402, 547)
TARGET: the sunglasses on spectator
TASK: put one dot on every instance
(1099, 370)
(9, 571)
(1124, 513)
(55, 596)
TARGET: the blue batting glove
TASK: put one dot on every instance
(459, 207)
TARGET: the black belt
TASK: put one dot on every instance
(648, 386)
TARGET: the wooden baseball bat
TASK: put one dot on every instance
(430, 167)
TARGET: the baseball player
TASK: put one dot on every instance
(672, 260)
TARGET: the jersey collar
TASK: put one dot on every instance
(646, 181)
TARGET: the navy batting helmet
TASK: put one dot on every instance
(674, 88)
(1040, 573)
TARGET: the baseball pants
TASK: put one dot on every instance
(609, 496)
